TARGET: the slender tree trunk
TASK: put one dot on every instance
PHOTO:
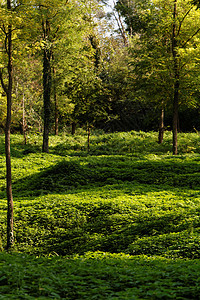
(161, 125)
(56, 113)
(55, 102)
(122, 30)
(23, 118)
(176, 82)
(175, 119)
(73, 128)
(47, 82)
(10, 233)
(88, 138)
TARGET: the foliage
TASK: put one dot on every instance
(127, 195)
(152, 56)
(98, 276)
(131, 216)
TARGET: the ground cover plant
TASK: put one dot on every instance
(98, 275)
(128, 196)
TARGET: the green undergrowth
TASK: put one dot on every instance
(126, 217)
(104, 170)
(104, 144)
(128, 197)
(124, 143)
(137, 203)
(98, 275)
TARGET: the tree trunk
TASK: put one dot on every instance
(73, 128)
(161, 126)
(10, 233)
(175, 118)
(47, 82)
(56, 114)
(88, 138)
(23, 118)
(176, 82)
(120, 24)
(55, 102)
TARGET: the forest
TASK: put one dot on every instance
(99, 149)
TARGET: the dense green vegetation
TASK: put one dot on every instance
(115, 77)
(120, 222)
(98, 215)
(98, 276)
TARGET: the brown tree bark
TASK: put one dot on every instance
(73, 128)
(175, 118)
(88, 138)
(47, 83)
(8, 90)
(161, 126)
(55, 102)
(24, 125)
(56, 113)
(176, 81)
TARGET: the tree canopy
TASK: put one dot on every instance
(74, 63)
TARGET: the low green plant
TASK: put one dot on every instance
(127, 195)
(97, 275)
(108, 218)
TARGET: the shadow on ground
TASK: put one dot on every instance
(99, 171)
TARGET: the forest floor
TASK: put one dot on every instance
(121, 221)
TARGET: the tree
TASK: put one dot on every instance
(184, 39)
(75, 68)
(58, 30)
(27, 92)
(166, 56)
(11, 24)
(47, 83)
(86, 91)
(7, 30)
(176, 69)
(135, 14)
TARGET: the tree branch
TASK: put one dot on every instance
(187, 13)
(2, 82)
(120, 25)
(190, 38)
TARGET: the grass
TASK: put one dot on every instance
(104, 218)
